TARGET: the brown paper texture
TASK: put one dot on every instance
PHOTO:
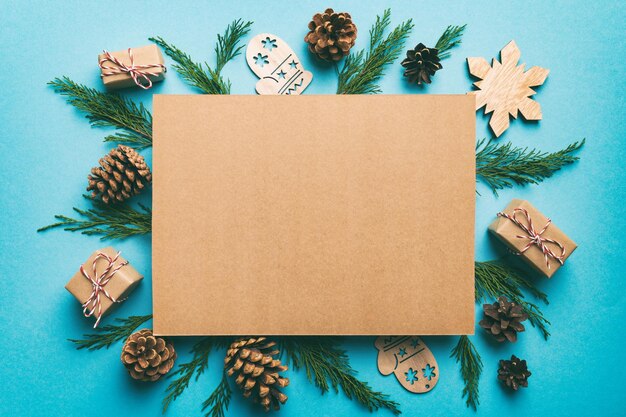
(507, 231)
(144, 55)
(318, 215)
(122, 283)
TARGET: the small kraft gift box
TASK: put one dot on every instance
(103, 281)
(532, 236)
(133, 66)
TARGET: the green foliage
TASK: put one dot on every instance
(111, 110)
(198, 364)
(328, 366)
(209, 80)
(471, 367)
(495, 279)
(111, 333)
(361, 72)
(115, 221)
(217, 403)
(502, 165)
(227, 47)
(450, 38)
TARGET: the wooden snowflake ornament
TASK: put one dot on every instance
(504, 88)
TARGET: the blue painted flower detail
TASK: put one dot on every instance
(411, 376)
(402, 352)
(269, 44)
(261, 60)
(429, 372)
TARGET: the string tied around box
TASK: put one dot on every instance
(535, 237)
(93, 305)
(137, 72)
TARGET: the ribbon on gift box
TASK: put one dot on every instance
(137, 72)
(534, 237)
(93, 305)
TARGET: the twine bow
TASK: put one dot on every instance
(534, 237)
(93, 305)
(137, 72)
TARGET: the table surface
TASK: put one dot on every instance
(47, 148)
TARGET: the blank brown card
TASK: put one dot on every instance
(317, 215)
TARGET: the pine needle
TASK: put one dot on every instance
(503, 165)
(495, 279)
(207, 79)
(116, 221)
(450, 38)
(218, 402)
(471, 367)
(110, 333)
(111, 110)
(227, 47)
(328, 367)
(361, 72)
(186, 371)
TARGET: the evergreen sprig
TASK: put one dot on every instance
(111, 110)
(227, 47)
(209, 80)
(217, 403)
(115, 221)
(450, 38)
(503, 165)
(495, 279)
(110, 333)
(186, 371)
(466, 354)
(361, 72)
(327, 366)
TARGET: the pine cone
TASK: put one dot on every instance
(147, 357)
(122, 174)
(251, 361)
(514, 373)
(503, 319)
(331, 35)
(421, 63)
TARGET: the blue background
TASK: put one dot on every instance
(47, 149)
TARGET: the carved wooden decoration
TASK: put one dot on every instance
(410, 360)
(277, 66)
(505, 87)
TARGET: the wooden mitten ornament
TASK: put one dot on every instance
(277, 66)
(410, 360)
(505, 88)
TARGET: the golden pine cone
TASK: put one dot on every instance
(503, 319)
(331, 35)
(252, 362)
(147, 357)
(122, 174)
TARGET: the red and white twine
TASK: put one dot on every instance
(137, 72)
(93, 305)
(534, 237)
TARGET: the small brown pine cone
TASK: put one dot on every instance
(251, 361)
(122, 174)
(331, 35)
(503, 319)
(514, 373)
(421, 63)
(147, 357)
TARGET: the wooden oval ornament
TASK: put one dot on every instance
(277, 66)
(410, 360)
